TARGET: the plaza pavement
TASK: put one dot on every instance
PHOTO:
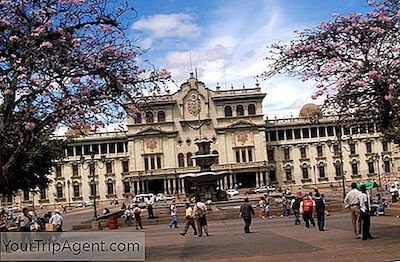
(275, 240)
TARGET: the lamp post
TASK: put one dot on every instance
(69, 192)
(340, 151)
(376, 157)
(91, 165)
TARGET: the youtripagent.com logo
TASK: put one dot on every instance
(48, 246)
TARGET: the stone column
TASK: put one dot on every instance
(225, 182)
(182, 186)
(143, 187)
(165, 181)
(257, 179)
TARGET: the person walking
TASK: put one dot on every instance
(200, 212)
(352, 202)
(306, 208)
(246, 211)
(189, 215)
(394, 192)
(320, 210)
(365, 212)
(262, 204)
(284, 206)
(174, 219)
(295, 206)
(24, 221)
(138, 219)
(57, 220)
(150, 203)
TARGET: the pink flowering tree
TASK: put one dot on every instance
(354, 61)
(64, 62)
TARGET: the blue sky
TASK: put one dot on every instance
(228, 41)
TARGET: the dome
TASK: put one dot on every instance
(310, 111)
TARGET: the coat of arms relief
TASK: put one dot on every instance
(193, 105)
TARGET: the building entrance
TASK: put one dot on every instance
(156, 186)
(246, 180)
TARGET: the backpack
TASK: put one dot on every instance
(296, 205)
(307, 205)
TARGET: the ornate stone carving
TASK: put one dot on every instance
(193, 105)
(152, 145)
(244, 138)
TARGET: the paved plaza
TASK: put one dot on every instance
(276, 240)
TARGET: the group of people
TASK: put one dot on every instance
(359, 204)
(133, 212)
(192, 215)
(393, 190)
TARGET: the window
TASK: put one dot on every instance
(244, 158)
(321, 170)
(216, 160)
(149, 117)
(272, 175)
(75, 170)
(110, 187)
(228, 111)
(288, 173)
(109, 169)
(77, 191)
(304, 170)
(306, 133)
(138, 118)
(289, 134)
(330, 131)
(368, 145)
(58, 171)
(314, 132)
(92, 169)
(86, 149)
(181, 160)
(337, 169)
(370, 128)
(322, 131)
(111, 148)
(120, 147)
(346, 131)
(386, 165)
(354, 168)
(43, 193)
(336, 150)
(237, 156)
(239, 110)
(244, 154)
(270, 155)
(125, 166)
(272, 135)
(352, 149)
(251, 109)
(161, 116)
(303, 153)
(385, 147)
(95, 148)
(78, 150)
(158, 159)
(103, 149)
(127, 187)
(371, 169)
(363, 129)
(26, 195)
(250, 154)
(354, 130)
(281, 134)
(297, 133)
(189, 159)
(70, 151)
(59, 190)
(320, 152)
(286, 153)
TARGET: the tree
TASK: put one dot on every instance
(355, 62)
(63, 62)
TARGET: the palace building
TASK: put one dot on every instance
(155, 148)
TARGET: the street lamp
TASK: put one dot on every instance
(91, 165)
(339, 143)
(69, 194)
(376, 157)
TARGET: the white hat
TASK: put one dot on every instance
(57, 211)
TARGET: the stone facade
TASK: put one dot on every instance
(155, 147)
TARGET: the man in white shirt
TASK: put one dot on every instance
(394, 192)
(365, 215)
(352, 203)
(57, 220)
(174, 219)
(200, 212)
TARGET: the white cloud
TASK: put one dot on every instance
(166, 26)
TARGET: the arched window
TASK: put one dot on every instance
(337, 169)
(60, 193)
(252, 109)
(189, 159)
(138, 118)
(77, 190)
(110, 187)
(228, 111)
(181, 160)
(216, 160)
(161, 116)
(149, 117)
(239, 110)
(321, 169)
(354, 167)
(304, 170)
(288, 172)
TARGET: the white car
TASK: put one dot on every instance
(264, 189)
(232, 192)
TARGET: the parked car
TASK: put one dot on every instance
(85, 204)
(232, 192)
(264, 189)
(249, 191)
(162, 197)
(142, 198)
